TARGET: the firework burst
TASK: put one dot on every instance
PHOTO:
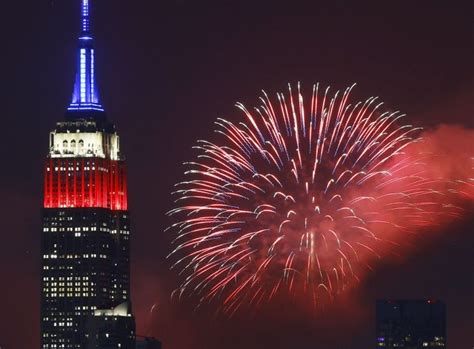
(298, 198)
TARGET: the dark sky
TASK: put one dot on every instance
(167, 69)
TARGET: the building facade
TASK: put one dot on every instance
(86, 225)
(411, 324)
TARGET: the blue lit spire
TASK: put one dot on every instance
(85, 96)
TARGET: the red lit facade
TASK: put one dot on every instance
(85, 182)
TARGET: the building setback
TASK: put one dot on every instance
(411, 324)
(85, 282)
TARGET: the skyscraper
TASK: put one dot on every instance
(86, 225)
(411, 324)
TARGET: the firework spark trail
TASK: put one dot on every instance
(299, 199)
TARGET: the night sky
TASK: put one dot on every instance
(167, 70)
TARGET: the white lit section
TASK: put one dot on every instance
(83, 74)
(84, 144)
(120, 310)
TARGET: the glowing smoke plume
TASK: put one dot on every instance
(300, 198)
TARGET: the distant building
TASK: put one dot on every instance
(111, 328)
(411, 324)
(148, 343)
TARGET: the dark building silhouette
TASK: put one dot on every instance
(411, 324)
(148, 343)
(111, 328)
(86, 224)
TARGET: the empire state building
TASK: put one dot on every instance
(85, 281)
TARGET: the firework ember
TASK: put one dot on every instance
(299, 198)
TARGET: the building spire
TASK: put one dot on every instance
(85, 17)
(85, 96)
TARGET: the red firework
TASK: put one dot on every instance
(298, 198)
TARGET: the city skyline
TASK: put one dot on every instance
(164, 75)
(411, 324)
